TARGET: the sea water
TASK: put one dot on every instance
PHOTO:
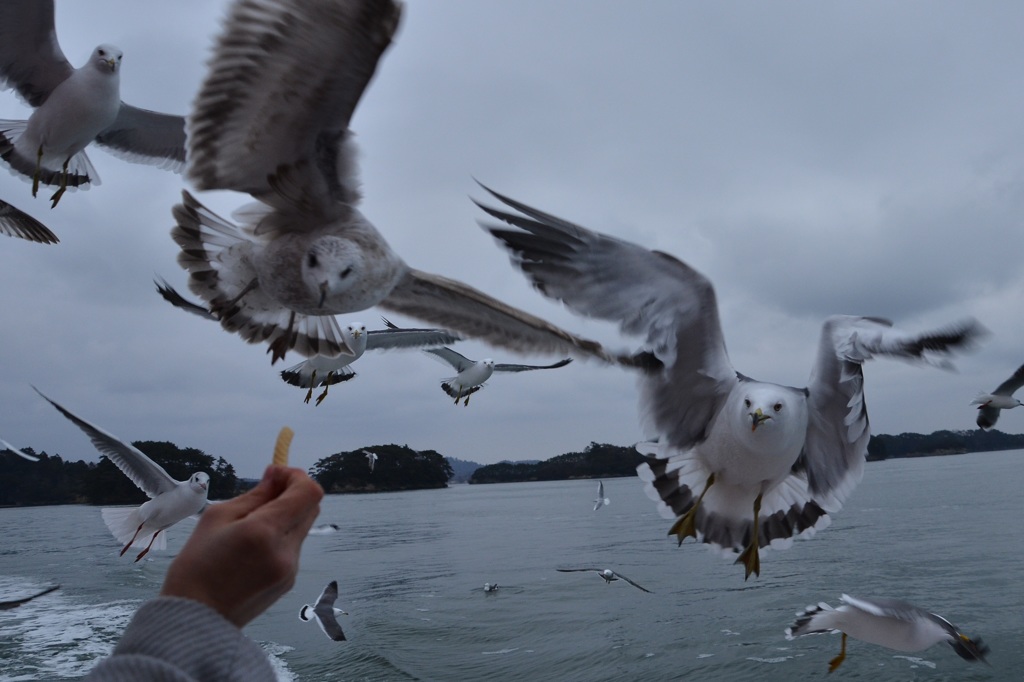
(941, 532)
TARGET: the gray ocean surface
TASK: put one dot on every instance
(941, 532)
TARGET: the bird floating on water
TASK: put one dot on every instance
(887, 622)
(991, 404)
(739, 463)
(325, 613)
(171, 500)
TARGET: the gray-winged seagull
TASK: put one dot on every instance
(473, 373)
(739, 463)
(991, 404)
(608, 575)
(324, 612)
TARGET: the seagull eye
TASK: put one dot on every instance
(103, 53)
(312, 261)
(746, 402)
(346, 272)
(777, 407)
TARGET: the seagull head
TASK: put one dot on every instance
(969, 649)
(330, 267)
(199, 482)
(107, 58)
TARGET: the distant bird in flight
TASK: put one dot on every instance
(72, 107)
(24, 455)
(739, 463)
(17, 223)
(473, 373)
(324, 612)
(991, 404)
(371, 459)
(886, 622)
(608, 575)
(601, 499)
(321, 370)
(271, 119)
(171, 500)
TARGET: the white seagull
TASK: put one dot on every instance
(886, 622)
(739, 463)
(171, 500)
(325, 613)
(601, 500)
(321, 370)
(490, 589)
(991, 404)
(607, 574)
(473, 373)
(72, 107)
(371, 458)
(17, 223)
(271, 120)
(24, 455)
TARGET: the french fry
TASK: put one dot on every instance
(284, 441)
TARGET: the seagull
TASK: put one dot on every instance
(325, 613)
(473, 373)
(886, 622)
(271, 120)
(321, 370)
(324, 529)
(17, 223)
(607, 574)
(72, 107)
(601, 499)
(739, 463)
(15, 603)
(990, 404)
(371, 458)
(170, 500)
(7, 446)
(489, 588)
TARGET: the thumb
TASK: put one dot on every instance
(269, 488)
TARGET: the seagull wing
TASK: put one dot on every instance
(838, 431)
(31, 60)
(641, 587)
(646, 292)
(458, 361)
(171, 295)
(503, 367)
(18, 452)
(145, 136)
(14, 603)
(151, 478)
(1010, 386)
(888, 608)
(450, 304)
(387, 339)
(579, 570)
(17, 223)
(285, 78)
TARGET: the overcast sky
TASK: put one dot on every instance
(810, 158)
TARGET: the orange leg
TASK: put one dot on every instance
(146, 551)
(133, 539)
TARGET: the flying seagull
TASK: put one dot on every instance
(15, 603)
(17, 223)
(473, 373)
(991, 404)
(371, 459)
(324, 612)
(601, 499)
(24, 455)
(321, 370)
(886, 622)
(607, 574)
(170, 500)
(271, 120)
(72, 107)
(739, 463)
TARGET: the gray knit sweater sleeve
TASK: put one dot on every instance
(179, 640)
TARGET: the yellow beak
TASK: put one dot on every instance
(757, 418)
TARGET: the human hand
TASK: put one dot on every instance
(244, 553)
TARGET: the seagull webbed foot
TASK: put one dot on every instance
(750, 557)
(327, 385)
(686, 525)
(837, 661)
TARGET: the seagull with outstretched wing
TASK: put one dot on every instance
(473, 373)
(608, 575)
(990, 405)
